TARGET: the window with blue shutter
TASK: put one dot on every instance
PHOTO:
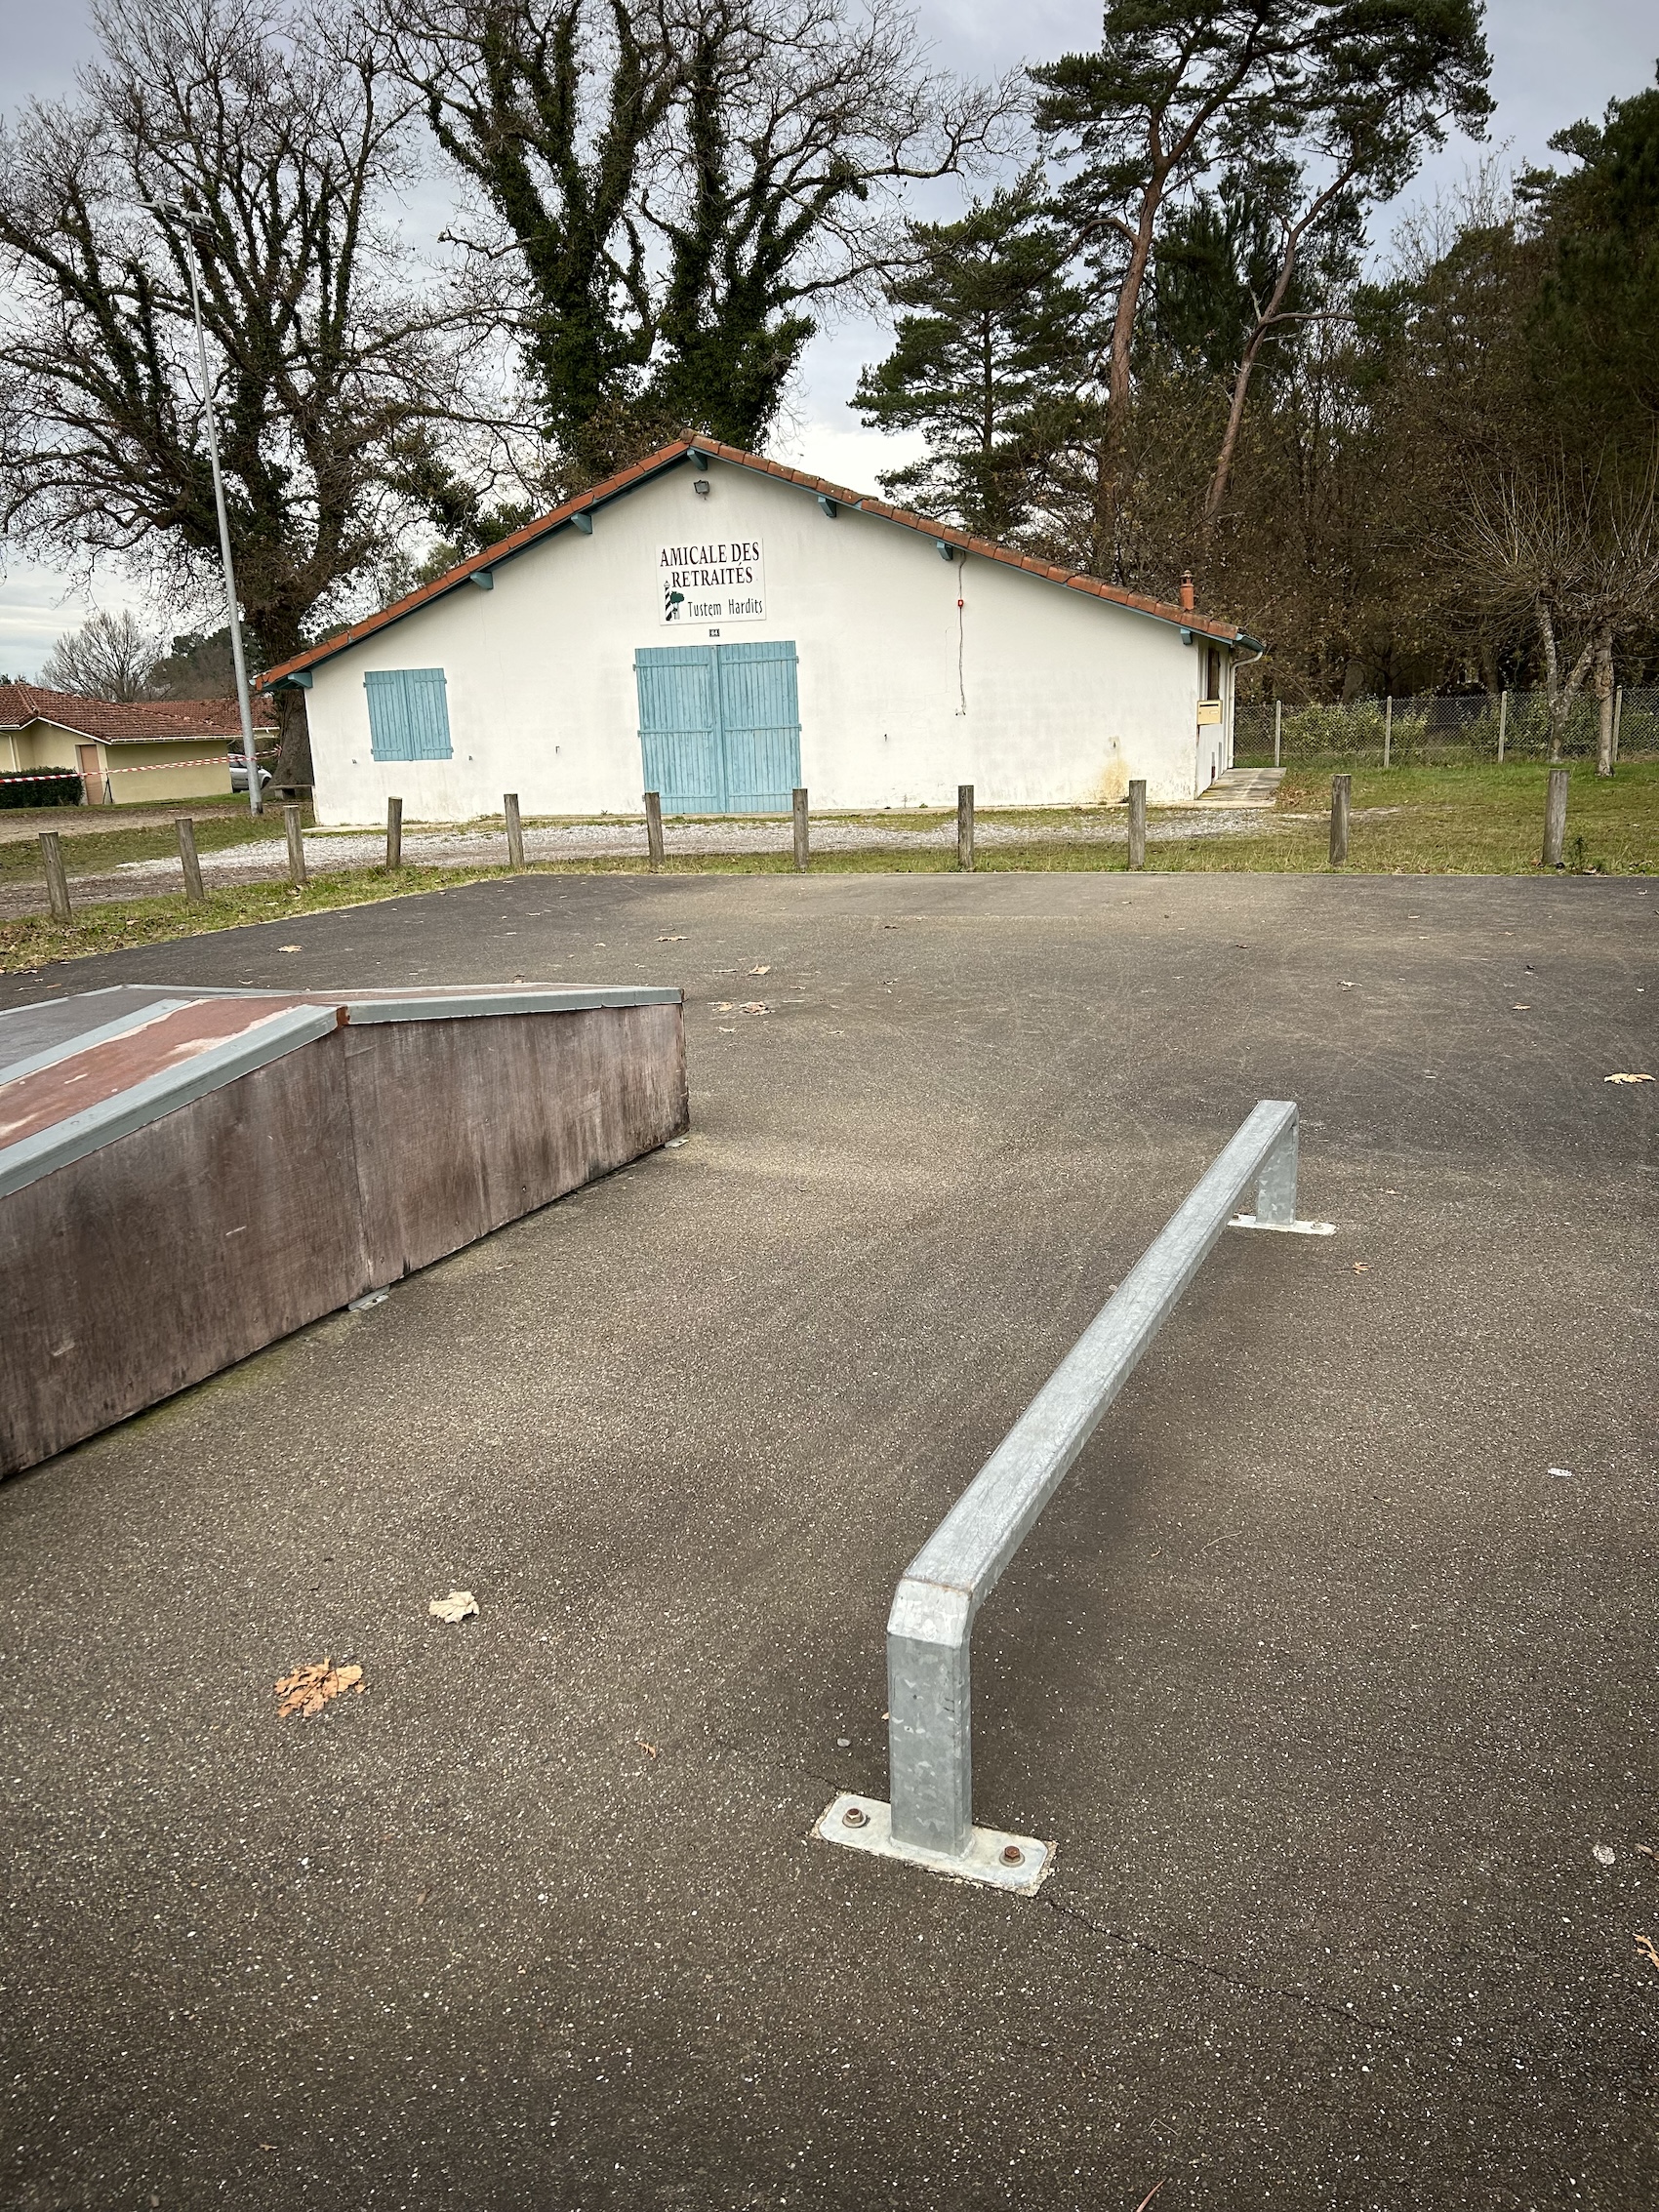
(408, 713)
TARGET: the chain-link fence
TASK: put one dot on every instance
(1433, 732)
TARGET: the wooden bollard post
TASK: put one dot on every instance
(965, 827)
(1341, 786)
(57, 882)
(393, 834)
(804, 850)
(654, 829)
(1554, 818)
(190, 863)
(296, 846)
(514, 832)
(1137, 822)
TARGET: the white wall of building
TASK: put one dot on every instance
(1036, 695)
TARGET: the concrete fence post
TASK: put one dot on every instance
(654, 829)
(296, 846)
(190, 863)
(965, 827)
(393, 834)
(57, 882)
(1278, 728)
(1555, 818)
(1503, 720)
(1341, 786)
(1388, 728)
(804, 850)
(1137, 822)
(514, 832)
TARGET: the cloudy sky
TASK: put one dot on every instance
(1552, 65)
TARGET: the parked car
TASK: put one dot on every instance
(239, 773)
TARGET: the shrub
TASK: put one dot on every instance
(52, 788)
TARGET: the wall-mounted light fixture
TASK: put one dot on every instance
(700, 487)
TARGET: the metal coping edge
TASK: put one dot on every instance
(33, 1157)
(359, 1011)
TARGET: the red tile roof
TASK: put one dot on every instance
(666, 458)
(118, 722)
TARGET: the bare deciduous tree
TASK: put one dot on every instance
(265, 135)
(110, 656)
(1578, 552)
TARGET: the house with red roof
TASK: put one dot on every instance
(126, 753)
(722, 629)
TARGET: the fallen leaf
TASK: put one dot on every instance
(722, 1006)
(1627, 1078)
(650, 1750)
(1647, 1851)
(1523, 1008)
(755, 1006)
(670, 940)
(308, 1689)
(459, 1606)
(765, 969)
(1644, 1944)
(291, 949)
(1361, 1267)
(1147, 2199)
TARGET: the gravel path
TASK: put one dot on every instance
(333, 851)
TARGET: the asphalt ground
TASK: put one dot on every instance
(1326, 1684)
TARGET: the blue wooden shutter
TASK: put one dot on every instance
(760, 721)
(679, 727)
(408, 713)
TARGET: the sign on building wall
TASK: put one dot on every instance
(717, 581)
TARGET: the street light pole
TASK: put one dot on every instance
(244, 705)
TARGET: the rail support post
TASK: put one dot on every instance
(1137, 822)
(928, 1817)
(393, 834)
(804, 849)
(514, 832)
(1341, 786)
(654, 829)
(965, 827)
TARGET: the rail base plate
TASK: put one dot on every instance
(984, 1860)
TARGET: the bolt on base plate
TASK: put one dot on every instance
(1284, 1229)
(1017, 1863)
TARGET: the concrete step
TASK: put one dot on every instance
(1243, 788)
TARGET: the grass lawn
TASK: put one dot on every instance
(1475, 820)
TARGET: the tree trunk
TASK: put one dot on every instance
(1602, 684)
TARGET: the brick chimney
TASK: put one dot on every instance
(1186, 593)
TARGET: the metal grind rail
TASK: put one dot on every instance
(929, 1820)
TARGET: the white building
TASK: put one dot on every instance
(722, 629)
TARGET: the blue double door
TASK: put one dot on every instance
(719, 726)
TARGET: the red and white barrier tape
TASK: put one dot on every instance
(144, 768)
